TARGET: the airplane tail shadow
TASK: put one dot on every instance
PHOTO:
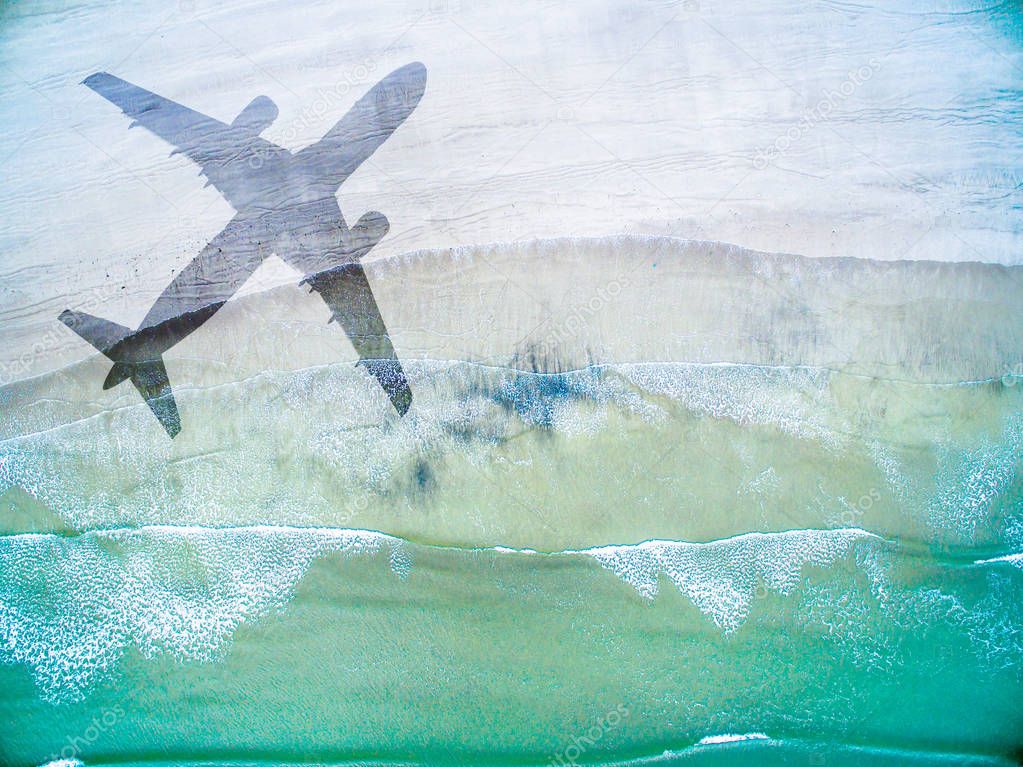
(148, 375)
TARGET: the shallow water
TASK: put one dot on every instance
(793, 540)
(315, 580)
(551, 461)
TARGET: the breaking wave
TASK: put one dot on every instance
(721, 577)
(70, 606)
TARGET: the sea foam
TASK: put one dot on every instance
(69, 607)
(714, 740)
(721, 577)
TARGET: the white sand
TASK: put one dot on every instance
(591, 119)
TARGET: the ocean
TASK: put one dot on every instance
(531, 568)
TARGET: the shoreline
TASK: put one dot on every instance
(580, 301)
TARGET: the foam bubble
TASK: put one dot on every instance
(713, 740)
(1013, 559)
(721, 577)
(70, 606)
(795, 400)
(972, 481)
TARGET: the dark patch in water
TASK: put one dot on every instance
(533, 389)
(534, 396)
(423, 477)
(463, 433)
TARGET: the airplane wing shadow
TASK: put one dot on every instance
(346, 291)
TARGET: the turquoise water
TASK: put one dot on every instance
(212, 648)
(533, 569)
